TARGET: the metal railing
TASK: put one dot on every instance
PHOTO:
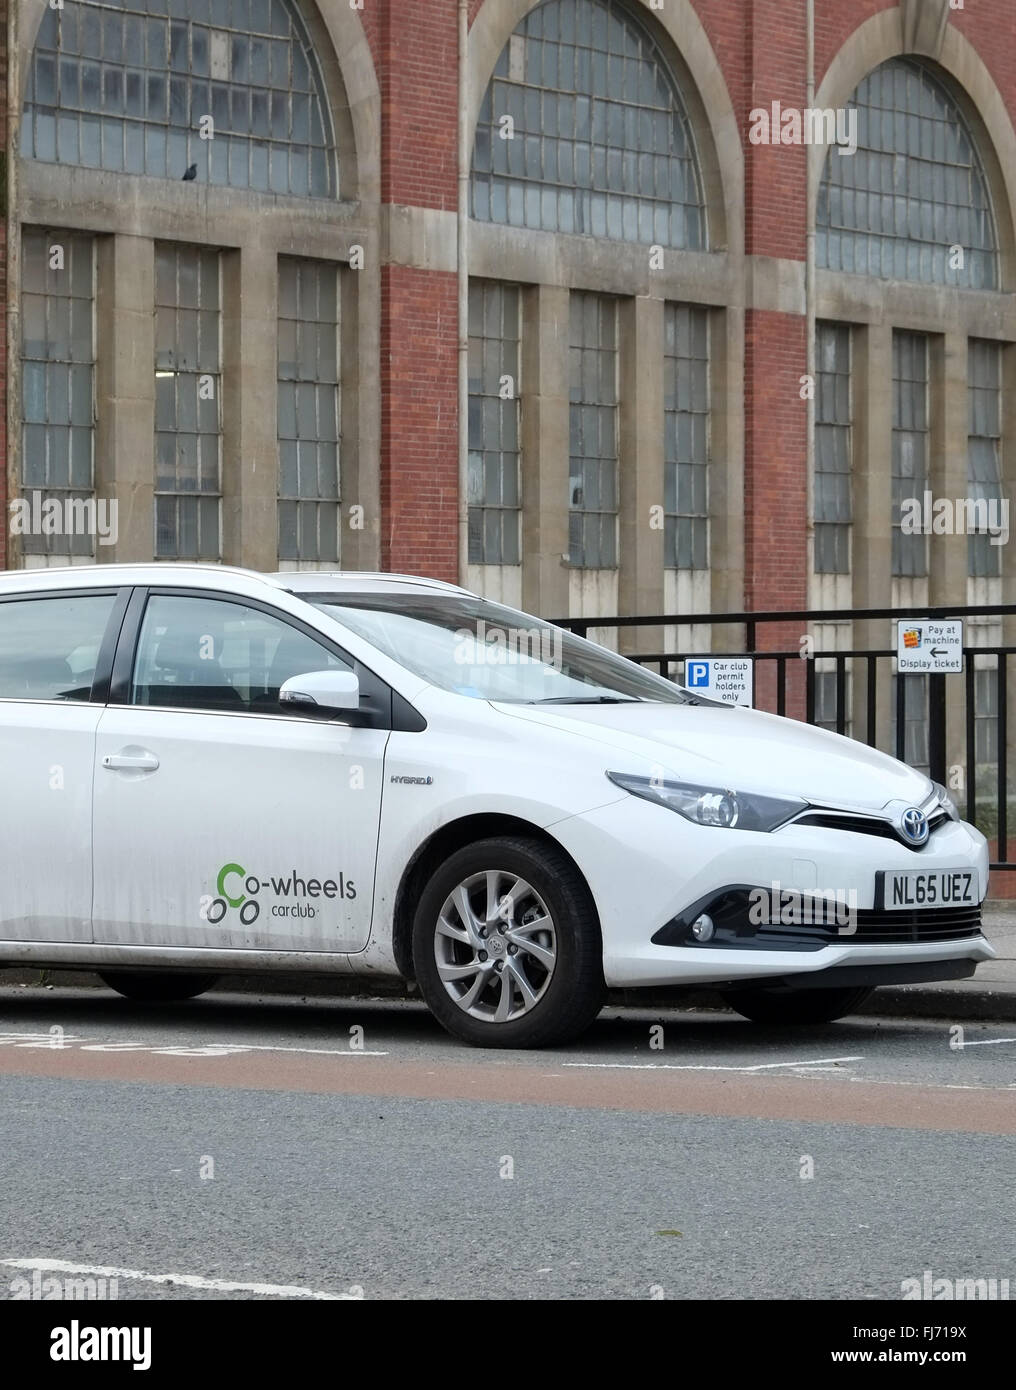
(859, 705)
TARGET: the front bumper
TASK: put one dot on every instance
(646, 865)
(665, 965)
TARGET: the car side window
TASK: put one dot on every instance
(49, 647)
(210, 654)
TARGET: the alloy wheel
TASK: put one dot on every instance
(495, 946)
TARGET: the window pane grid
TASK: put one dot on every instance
(188, 428)
(915, 720)
(686, 437)
(832, 500)
(601, 145)
(984, 454)
(914, 188)
(58, 368)
(909, 446)
(130, 87)
(308, 410)
(986, 716)
(592, 530)
(494, 424)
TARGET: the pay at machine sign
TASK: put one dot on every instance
(729, 679)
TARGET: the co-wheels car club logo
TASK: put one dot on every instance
(293, 895)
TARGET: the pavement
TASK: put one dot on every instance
(989, 995)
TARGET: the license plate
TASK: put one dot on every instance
(915, 888)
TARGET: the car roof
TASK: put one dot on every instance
(359, 581)
(221, 577)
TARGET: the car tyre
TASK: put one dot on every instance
(774, 1006)
(157, 987)
(507, 947)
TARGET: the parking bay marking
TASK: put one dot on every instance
(47, 1042)
(187, 1281)
(681, 1066)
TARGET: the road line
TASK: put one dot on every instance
(217, 1049)
(984, 1042)
(310, 1051)
(187, 1281)
(678, 1066)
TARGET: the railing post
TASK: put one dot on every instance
(936, 726)
(1002, 783)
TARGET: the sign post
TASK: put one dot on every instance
(931, 647)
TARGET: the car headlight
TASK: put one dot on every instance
(721, 807)
(946, 801)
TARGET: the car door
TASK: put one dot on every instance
(55, 653)
(222, 819)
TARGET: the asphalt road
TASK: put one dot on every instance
(231, 1148)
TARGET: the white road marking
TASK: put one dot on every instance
(187, 1281)
(984, 1042)
(312, 1051)
(47, 1040)
(675, 1066)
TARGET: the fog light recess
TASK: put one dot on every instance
(702, 928)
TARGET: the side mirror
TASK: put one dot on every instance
(327, 691)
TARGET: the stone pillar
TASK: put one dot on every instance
(125, 392)
(947, 579)
(359, 418)
(872, 367)
(640, 588)
(947, 473)
(249, 392)
(545, 450)
(726, 466)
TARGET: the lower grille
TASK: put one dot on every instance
(734, 915)
(879, 927)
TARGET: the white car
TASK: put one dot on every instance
(209, 770)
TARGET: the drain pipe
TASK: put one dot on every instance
(462, 267)
(809, 272)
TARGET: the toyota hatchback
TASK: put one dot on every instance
(211, 770)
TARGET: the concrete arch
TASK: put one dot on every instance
(697, 70)
(347, 70)
(960, 65)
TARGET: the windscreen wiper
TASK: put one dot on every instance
(587, 700)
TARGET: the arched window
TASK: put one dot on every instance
(583, 130)
(912, 203)
(224, 91)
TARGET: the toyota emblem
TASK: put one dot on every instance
(914, 826)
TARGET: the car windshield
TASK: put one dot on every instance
(481, 649)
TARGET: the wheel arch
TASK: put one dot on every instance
(442, 843)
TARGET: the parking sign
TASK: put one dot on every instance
(721, 678)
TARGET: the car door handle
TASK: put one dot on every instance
(133, 762)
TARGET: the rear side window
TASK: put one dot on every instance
(49, 647)
(201, 653)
